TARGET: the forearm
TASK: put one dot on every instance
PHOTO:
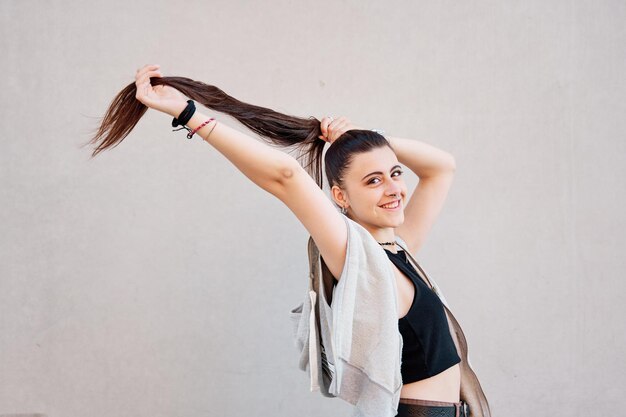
(423, 159)
(262, 164)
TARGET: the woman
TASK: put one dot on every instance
(367, 185)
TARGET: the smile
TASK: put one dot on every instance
(391, 206)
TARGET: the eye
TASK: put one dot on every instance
(398, 171)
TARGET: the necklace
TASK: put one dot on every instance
(392, 243)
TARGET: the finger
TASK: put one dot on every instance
(146, 68)
(325, 138)
(143, 88)
(146, 77)
(150, 74)
(339, 126)
(145, 73)
(333, 124)
(343, 120)
(141, 85)
(343, 128)
(338, 122)
(330, 133)
(330, 126)
(324, 125)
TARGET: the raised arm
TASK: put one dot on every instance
(281, 175)
(435, 169)
(265, 166)
(271, 169)
(318, 215)
(260, 163)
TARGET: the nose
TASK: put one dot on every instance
(394, 190)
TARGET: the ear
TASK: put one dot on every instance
(339, 196)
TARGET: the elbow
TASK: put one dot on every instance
(286, 170)
(452, 163)
(285, 173)
(288, 167)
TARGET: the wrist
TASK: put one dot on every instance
(197, 124)
(176, 109)
(196, 120)
(190, 119)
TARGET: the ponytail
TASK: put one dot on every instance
(276, 129)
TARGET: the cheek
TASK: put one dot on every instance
(368, 203)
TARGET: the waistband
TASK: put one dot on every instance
(458, 409)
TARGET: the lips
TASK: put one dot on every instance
(396, 202)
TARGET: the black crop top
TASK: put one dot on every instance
(428, 348)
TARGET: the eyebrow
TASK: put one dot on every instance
(378, 172)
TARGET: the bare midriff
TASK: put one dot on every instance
(445, 386)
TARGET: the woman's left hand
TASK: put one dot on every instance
(332, 129)
(160, 97)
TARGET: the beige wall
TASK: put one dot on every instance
(155, 280)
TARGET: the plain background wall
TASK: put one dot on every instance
(156, 279)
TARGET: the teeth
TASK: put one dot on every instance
(392, 205)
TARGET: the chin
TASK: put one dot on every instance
(396, 224)
(396, 221)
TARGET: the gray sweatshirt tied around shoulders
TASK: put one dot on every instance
(347, 331)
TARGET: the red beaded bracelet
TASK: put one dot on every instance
(190, 134)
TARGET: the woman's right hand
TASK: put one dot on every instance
(334, 128)
(161, 97)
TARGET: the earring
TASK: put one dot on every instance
(343, 210)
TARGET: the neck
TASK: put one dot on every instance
(382, 235)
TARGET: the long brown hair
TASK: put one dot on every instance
(276, 129)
